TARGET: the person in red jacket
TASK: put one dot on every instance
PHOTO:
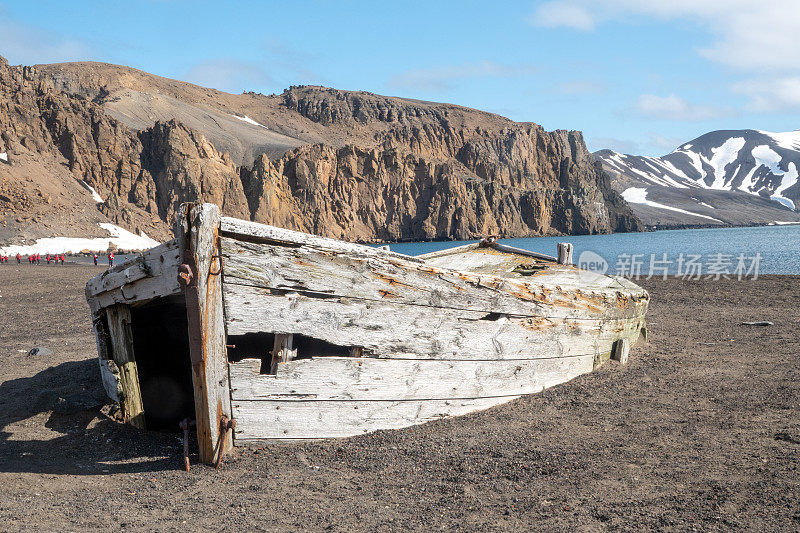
(110, 259)
(19, 258)
(95, 259)
(62, 259)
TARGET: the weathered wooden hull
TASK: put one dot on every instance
(321, 338)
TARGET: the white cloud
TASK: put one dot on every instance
(772, 94)
(442, 79)
(745, 34)
(563, 14)
(674, 107)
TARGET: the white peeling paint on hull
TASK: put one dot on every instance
(259, 420)
(426, 338)
(435, 341)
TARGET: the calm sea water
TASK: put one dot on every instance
(775, 249)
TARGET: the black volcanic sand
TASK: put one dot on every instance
(701, 430)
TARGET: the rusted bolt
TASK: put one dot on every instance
(184, 425)
(226, 425)
(185, 275)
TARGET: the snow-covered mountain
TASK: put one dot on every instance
(712, 172)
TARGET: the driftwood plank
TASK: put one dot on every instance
(198, 234)
(386, 329)
(383, 277)
(345, 378)
(258, 420)
(119, 325)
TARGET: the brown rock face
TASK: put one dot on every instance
(366, 167)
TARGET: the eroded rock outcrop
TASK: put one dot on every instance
(386, 169)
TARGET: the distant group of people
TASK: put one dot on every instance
(36, 259)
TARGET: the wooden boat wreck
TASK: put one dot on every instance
(294, 336)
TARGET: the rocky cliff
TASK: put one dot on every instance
(351, 165)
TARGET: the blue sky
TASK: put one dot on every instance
(636, 78)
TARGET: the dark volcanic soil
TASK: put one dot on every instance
(700, 430)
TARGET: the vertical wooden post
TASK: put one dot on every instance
(564, 253)
(119, 326)
(621, 350)
(282, 351)
(198, 236)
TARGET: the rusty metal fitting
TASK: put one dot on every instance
(185, 275)
(213, 272)
(488, 241)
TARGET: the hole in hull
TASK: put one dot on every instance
(261, 346)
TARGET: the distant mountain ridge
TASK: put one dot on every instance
(713, 171)
(344, 164)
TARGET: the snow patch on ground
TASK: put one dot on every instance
(785, 201)
(703, 203)
(96, 197)
(638, 195)
(120, 237)
(787, 139)
(4, 157)
(766, 156)
(249, 121)
(782, 223)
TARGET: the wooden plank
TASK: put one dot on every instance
(109, 372)
(251, 231)
(258, 420)
(119, 325)
(282, 351)
(149, 264)
(387, 329)
(379, 277)
(153, 274)
(364, 379)
(564, 253)
(198, 235)
(621, 351)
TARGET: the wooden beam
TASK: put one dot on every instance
(393, 330)
(259, 420)
(119, 325)
(568, 292)
(622, 348)
(151, 274)
(368, 379)
(564, 253)
(282, 351)
(198, 238)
